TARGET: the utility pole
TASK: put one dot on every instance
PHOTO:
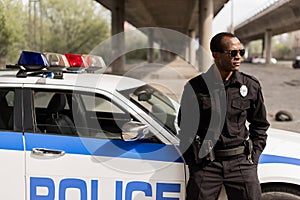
(41, 27)
(33, 27)
(29, 24)
(232, 18)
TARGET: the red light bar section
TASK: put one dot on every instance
(75, 60)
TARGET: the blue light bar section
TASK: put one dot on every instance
(28, 58)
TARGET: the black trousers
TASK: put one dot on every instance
(237, 174)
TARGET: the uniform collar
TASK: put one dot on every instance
(236, 78)
(215, 78)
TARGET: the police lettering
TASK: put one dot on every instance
(121, 189)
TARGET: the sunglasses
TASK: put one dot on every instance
(234, 53)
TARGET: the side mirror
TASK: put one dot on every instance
(132, 131)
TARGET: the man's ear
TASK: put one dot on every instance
(215, 54)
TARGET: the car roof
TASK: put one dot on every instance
(106, 82)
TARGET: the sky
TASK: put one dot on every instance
(242, 9)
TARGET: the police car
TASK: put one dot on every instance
(93, 136)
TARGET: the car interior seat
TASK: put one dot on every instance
(2, 123)
(58, 122)
(6, 115)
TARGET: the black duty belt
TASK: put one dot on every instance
(230, 152)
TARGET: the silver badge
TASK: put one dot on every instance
(244, 90)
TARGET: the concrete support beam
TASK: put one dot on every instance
(247, 49)
(268, 46)
(159, 57)
(151, 45)
(166, 55)
(192, 47)
(263, 48)
(206, 14)
(187, 51)
(118, 43)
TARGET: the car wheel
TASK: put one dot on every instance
(283, 116)
(280, 192)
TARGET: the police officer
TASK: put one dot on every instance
(218, 146)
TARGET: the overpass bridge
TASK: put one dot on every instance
(281, 16)
(189, 17)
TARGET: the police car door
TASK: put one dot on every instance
(75, 151)
(12, 182)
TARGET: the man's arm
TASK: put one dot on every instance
(258, 126)
(188, 121)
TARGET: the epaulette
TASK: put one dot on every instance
(251, 77)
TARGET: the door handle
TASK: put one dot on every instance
(47, 153)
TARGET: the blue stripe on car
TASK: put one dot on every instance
(11, 141)
(109, 148)
(267, 158)
(103, 147)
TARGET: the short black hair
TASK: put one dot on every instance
(216, 42)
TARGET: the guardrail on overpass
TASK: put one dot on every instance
(277, 17)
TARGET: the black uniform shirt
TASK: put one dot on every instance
(219, 111)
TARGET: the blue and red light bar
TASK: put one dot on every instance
(37, 64)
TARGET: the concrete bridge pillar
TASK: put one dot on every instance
(192, 48)
(206, 15)
(246, 47)
(151, 45)
(187, 51)
(268, 46)
(118, 43)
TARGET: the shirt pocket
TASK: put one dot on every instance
(240, 104)
(238, 113)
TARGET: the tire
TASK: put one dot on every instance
(280, 192)
(283, 116)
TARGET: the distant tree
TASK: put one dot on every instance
(282, 51)
(4, 33)
(255, 48)
(12, 34)
(282, 46)
(68, 26)
(136, 41)
(73, 26)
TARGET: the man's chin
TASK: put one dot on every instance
(236, 65)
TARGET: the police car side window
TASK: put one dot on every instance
(78, 113)
(42, 99)
(7, 109)
(104, 117)
(100, 104)
(53, 113)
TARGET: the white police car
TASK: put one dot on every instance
(86, 136)
(105, 137)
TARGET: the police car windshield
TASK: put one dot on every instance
(156, 104)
